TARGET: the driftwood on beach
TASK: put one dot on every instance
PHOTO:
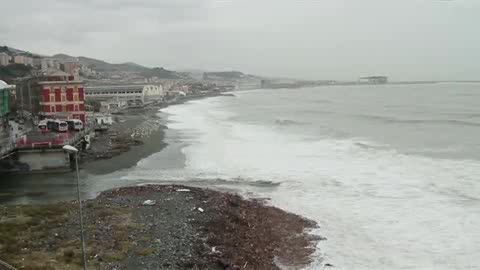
(180, 228)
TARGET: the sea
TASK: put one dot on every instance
(391, 173)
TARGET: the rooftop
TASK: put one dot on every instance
(115, 87)
(55, 72)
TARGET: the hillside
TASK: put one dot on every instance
(10, 72)
(10, 50)
(103, 66)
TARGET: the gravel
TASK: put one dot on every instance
(174, 233)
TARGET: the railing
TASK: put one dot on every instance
(6, 266)
(6, 149)
(69, 138)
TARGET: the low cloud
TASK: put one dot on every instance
(329, 39)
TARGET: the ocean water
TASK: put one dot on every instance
(391, 173)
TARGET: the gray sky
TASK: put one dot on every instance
(322, 39)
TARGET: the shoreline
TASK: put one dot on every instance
(50, 187)
(186, 228)
(124, 139)
(244, 234)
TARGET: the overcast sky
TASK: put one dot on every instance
(323, 39)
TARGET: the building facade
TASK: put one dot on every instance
(4, 104)
(134, 95)
(4, 59)
(373, 80)
(153, 93)
(55, 94)
(71, 67)
(23, 59)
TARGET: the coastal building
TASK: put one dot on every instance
(49, 62)
(113, 105)
(37, 62)
(44, 64)
(4, 59)
(54, 94)
(248, 83)
(23, 59)
(4, 104)
(373, 80)
(70, 66)
(134, 95)
(278, 83)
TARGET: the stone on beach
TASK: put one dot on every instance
(124, 234)
(149, 202)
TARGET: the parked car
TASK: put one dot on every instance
(74, 124)
(60, 126)
(42, 125)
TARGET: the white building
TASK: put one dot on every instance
(134, 95)
(153, 93)
(4, 59)
(112, 106)
(23, 59)
(49, 62)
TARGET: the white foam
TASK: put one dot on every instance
(379, 209)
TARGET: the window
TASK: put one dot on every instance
(64, 108)
(52, 108)
(64, 98)
(75, 107)
(52, 97)
(75, 96)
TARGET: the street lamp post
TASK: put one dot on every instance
(72, 150)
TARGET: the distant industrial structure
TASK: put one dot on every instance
(373, 80)
(134, 95)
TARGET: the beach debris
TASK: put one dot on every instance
(228, 266)
(183, 190)
(200, 210)
(215, 251)
(149, 202)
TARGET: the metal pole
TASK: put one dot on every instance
(82, 235)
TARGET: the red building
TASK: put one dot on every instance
(55, 94)
(70, 66)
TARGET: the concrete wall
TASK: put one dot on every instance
(48, 159)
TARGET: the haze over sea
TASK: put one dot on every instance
(390, 172)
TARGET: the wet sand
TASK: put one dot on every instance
(148, 130)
